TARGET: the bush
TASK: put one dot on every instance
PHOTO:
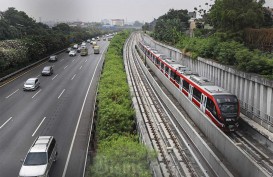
(122, 157)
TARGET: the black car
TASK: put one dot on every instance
(53, 58)
(47, 71)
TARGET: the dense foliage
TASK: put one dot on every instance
(118, 153)
(23, 41)
(224, 38)
(229, 53)
(230, 15)
(121, 157)
(169, 26)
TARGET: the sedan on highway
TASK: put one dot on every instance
(47, 71)
(72, 53)
(31, 84)
(53, 58)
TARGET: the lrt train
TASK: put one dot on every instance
(219, 105)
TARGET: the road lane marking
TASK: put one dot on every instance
(62, 59)
(61, 93)
(38, 75)
(66, 66)
(21, 75)
(6, 122)
(85, 61)
(80, 67)
(73, 77)
(38, 126)
(73, 60)
(36, 93)
(54, 77)
(12, 93)
(79, 119)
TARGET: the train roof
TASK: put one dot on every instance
(215, 90)
(170, 60)
(202, 81)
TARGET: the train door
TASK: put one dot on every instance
(190, 92)
(181, 83)
(203, 103)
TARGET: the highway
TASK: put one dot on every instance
(61, 107)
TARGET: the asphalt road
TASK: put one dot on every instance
(62, 107)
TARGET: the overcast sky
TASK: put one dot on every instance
(96, 10)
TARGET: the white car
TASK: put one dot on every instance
(72, 53)
(40, 157)
(31, 84)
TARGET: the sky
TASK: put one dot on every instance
(97, 10)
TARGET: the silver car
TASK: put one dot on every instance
(40, 157)
(31, 84)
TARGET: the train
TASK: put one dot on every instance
(220, 106)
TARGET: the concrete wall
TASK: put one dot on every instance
(254, 92)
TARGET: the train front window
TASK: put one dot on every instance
(227, 103)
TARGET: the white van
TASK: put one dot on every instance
(40, 157)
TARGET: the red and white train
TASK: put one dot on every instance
(219, 105)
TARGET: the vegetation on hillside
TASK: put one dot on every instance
(24, 41)
(119, 153)
(225, 42)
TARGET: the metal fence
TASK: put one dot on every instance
(256, 115)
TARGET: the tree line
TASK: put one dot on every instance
(221, 35)
(24, 41)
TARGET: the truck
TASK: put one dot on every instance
(96, 49)
(84, 51)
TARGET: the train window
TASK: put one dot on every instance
(162, 65)
(157, 61)
(211, 107)
(197, 94)
(172, 74)
(177, 79)
(167, 70)
(185, 85)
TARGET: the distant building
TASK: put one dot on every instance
(105, 22)
(118, 22)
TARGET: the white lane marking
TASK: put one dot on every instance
(12, 93)
(73, 77)
(38, 75)
(79, 119)
(38, 126)
(85, 61)
(62, 59)
(36, 93)
(53, 66)
(66, 66)
(54, 77)
(80, 67)
(6, 122)
(61, 93)
(73, 60)
(21, 75)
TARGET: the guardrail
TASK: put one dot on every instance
(29, 66)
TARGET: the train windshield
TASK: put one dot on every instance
(227, 103)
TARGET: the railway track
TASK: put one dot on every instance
(258, 152)
(172, 156)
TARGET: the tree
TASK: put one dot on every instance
(137, 24)
(233, 15)
(169, 26)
